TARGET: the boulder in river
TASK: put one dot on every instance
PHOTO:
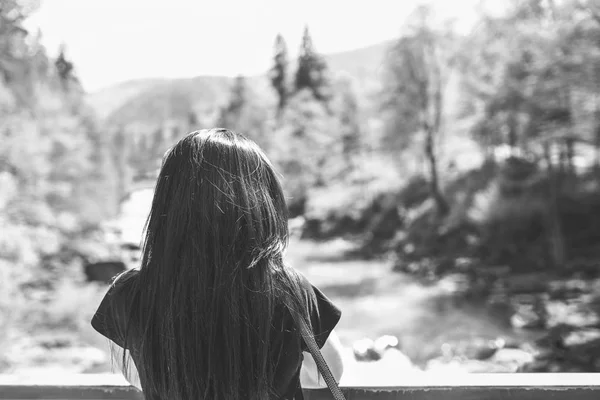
(364, 350)
(104, 271)
(369, 350)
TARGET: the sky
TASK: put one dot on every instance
(111, 41)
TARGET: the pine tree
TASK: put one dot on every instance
(176, 134)
(279, 71)
(349, 117)
(245, 113)
(121, 151)
(192, 121)
(231, 113)
(159, 147)
(138, 158)
(311, 69)
(63, 66)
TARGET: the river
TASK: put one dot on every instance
(429, 320)
(375, 301)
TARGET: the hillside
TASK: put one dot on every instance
(106, 101)
(144, 103)
(364, 65)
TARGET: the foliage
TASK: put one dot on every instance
(312, 70)
(278, 74)
(418, 67)
(305, 145)
(530, 73)
(245, 113)
(347, 108)
(53, 163)
(360, 159)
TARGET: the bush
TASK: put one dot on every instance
(69, 307)
(354, 205)
(513, 229)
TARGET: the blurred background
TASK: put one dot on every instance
(441, 162)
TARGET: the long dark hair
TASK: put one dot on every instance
(212, 273)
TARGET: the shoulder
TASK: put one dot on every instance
(311, 290)
(323, 313)
(109, 319)
(121, 289)
(124, 277)
(303, 281)
(122, 285)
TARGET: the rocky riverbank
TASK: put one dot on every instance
(558, 316)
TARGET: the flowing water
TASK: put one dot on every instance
(376, 301)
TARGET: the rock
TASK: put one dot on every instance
(565, 290)
(104, 271)
(369, 350)
(527, 321)
(512, 357)
(364, 350)
(391, 370)
(581, 337)
(445, 366)
(489, 349)
(478, 349)
(130, 246)
(566, 348)
(397, 359)
(480, 356)
(527, 283)
(467, 366)
(554, 339)
(386, 342)
(55, 342)
(532, 315)
(535, 366)
(512, 343)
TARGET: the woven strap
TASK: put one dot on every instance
(318, 357)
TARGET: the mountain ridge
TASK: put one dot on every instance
(148, 101)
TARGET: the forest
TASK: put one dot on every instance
(472, 158)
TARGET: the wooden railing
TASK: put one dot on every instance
(417, 387)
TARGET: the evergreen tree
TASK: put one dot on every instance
(158, 148)
(138, 157)
(232, 112)
(192, 121)
(158, 140)
(279, 71)
(63, 66)
(245, 113)
(311, 69)
(349, 117)
(121, 151)
(176, 134)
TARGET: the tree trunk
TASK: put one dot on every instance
(597, 148)
(432, 130)
(562, 159)
(570, 155)
(597, 161)
(512, 132)
(556, 244)
(434, 186)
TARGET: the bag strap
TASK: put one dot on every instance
(318, 357)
